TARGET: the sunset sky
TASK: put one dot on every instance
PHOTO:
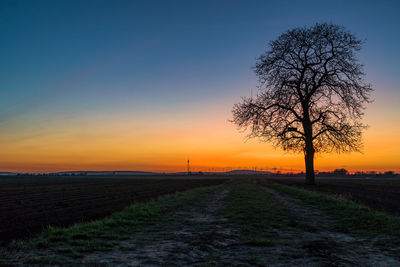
(145, 85)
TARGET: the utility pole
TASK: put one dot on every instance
(188, 168)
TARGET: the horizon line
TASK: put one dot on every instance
(272, 171)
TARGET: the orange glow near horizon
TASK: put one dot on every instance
(164, 145)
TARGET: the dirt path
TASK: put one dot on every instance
(310, 241)
(195, 235)
(198, 235)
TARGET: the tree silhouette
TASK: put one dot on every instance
(311, 93)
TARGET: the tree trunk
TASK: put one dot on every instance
(309, 149)
(309, 158)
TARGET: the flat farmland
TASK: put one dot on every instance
(381, 194)
(29, 204)
(246, 222)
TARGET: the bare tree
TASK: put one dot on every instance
(311, 94)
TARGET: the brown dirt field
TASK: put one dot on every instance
(381, 194)
(29, 204)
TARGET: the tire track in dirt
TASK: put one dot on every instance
(197, 234)
(311, 242)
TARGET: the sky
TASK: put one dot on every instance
(146, 85)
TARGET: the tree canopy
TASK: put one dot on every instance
(311, 93)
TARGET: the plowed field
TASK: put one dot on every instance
(29, 204)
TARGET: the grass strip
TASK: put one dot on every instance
(347, 214)
(101, 235)
(256, 213)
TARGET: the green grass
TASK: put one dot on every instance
(104, 234)
(256, 213)
(347, 215)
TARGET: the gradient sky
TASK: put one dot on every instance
(145, 85)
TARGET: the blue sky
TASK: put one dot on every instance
(67, 60)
